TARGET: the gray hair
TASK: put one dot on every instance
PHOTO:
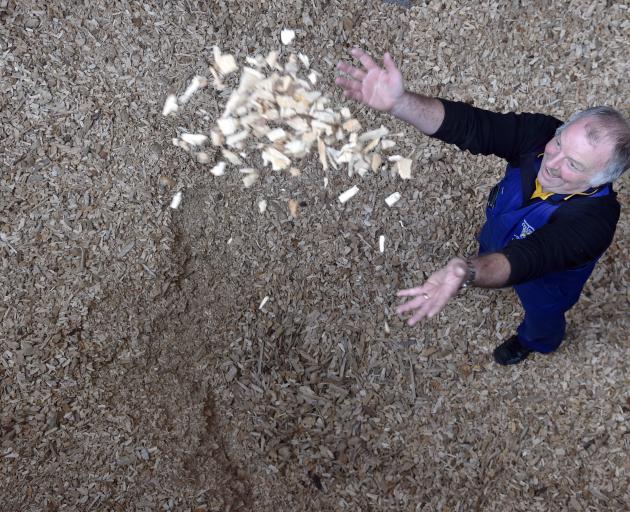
(608, 124)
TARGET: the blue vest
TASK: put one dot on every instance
(509, 218)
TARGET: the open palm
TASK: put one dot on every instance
(372, 85)
(430, 298)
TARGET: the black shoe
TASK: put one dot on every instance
(511, 352)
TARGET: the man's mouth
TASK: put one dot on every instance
(548, 174)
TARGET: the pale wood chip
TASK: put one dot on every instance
(376, 162)
(293, 208)
(373, 134)
(216, 138)
(404, 168)
(231, 157)
(198, 82)
(351, 125)
(219, 169)
(304, 60)
(287, 36)
(228, 125)
(276, 135)
(225, 63)
(392, 199)
(177, 199)
(321, 148)
(194, 139)
(277, 159)
(250, 179)
(272, 60)
(299, 124)
(348, 194)
(203, 158)
(170, 105)
(237, 138)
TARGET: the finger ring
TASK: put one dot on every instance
(426, 296)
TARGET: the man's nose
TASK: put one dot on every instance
(554, 161)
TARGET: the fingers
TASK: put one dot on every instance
(410, 292)
(348, 84)
(389, 64)
(364, 58)
(416, 303)
(355, 73)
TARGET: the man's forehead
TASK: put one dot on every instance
(587, 144)
(589, 131)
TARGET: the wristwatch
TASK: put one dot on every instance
(472, 273)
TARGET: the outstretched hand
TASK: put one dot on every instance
(430, 298)
(372, 85)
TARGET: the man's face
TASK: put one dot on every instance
(570, 161)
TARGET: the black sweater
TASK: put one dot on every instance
(578, 232)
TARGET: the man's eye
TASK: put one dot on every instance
(557, 143)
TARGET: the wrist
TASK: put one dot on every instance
(471, 273)
(398, 107)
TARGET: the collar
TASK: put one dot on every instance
(538, 193)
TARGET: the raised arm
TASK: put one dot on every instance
(472, 129)
(382, 88)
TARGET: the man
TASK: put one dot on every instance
(548, 221)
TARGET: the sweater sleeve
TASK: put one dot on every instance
(489, 133)
(576, 234)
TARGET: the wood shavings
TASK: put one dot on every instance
(198, 82)
(236, 139)
(231, 157)
(403, 166)
(263, 302)
(287, 36)
(352, 125)
(225, 63)
(285, 110)
(321, 147)
(217, 138)
(80, 388)
(219, 169)
(376, 162)
(293, 208)
(228, 126)
(276, 135)
(170, 105)
(250, 179)
(277, 160)
(203, 158)
(348, 194)
(304, 60)
(194, 139)
(373, 134)
(392, 199)
(176, 201)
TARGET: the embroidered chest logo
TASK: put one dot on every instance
(526, 230)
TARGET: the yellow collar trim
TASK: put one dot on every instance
(539, 192)
(546, 195)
